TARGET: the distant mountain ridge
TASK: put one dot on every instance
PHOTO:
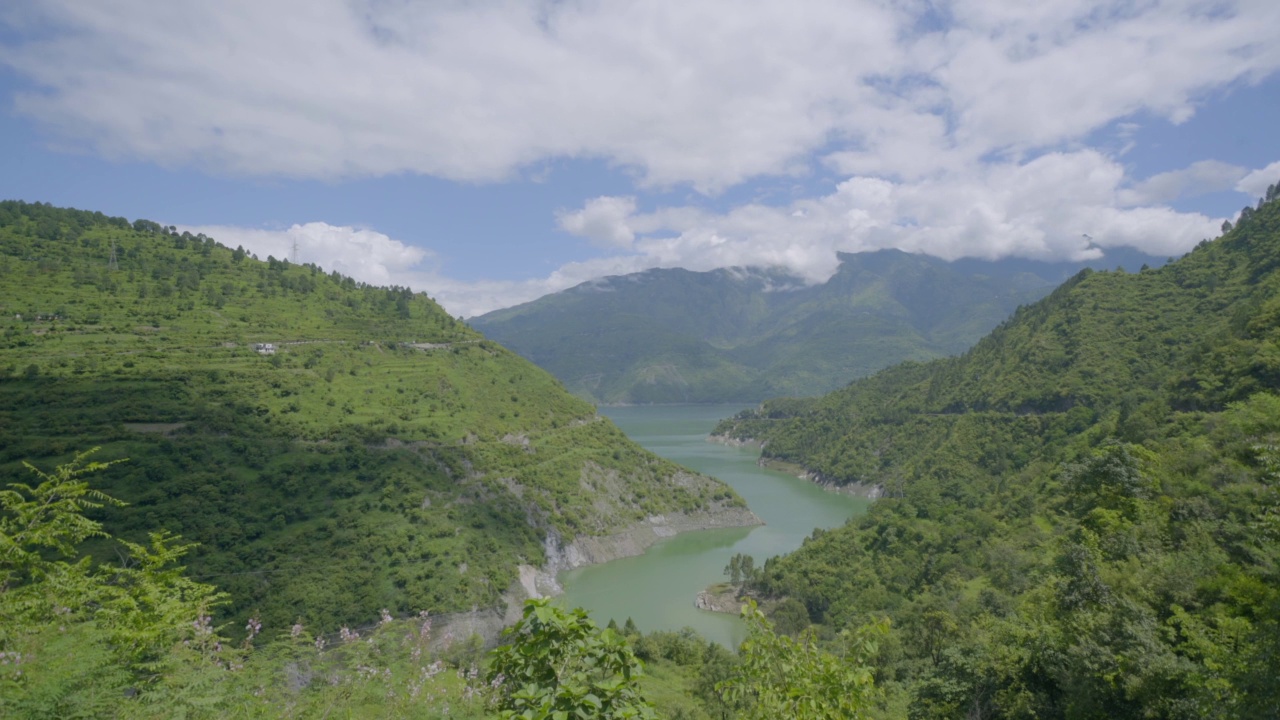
(744, 334)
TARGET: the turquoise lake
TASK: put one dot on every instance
(657, 589)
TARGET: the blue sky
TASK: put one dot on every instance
(487, 153)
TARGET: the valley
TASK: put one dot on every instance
(657, 589)
(1075, 517)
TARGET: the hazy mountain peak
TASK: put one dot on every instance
(748, 332)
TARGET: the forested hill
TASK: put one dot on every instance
(1082, 515)
(673, 335)
(335, 448)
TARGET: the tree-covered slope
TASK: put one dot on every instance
(383, 456)
(1081, 512)
(746, 334)
(656, 336)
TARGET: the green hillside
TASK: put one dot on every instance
(383, 456)
(747, 334)
(1081, 513)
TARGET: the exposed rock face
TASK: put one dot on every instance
(734, 442)
(450, 628)
(534, 582)
(854, 488)
(719, 598)
(589, 550)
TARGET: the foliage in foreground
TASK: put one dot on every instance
(86, 640)
(559, 665)
(79, 639)
(75, 635)
(785, 677)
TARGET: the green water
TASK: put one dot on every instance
(657, 589)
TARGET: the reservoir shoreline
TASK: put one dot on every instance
(658, 589)
(590, 550)
(856, 489)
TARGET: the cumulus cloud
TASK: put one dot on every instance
(1255, 184)
(375, 258)
(470, 299)
(957, 127)
(602, 220)
(1199, 178)
(1064, 205)
(468, 91)
(1058, 206)
(1026, 75)
(364, 254)
(704, 92)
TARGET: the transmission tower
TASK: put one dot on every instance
(112, 263)
(293, 256)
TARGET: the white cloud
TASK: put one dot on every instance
(1199, 178)
(960, 140)
(467, 91)
(470, 299)
(1028, 75)
(373, 257)
(602, 220)
(1255, 184)
(366, 255)
(705, 92)
(1059, 206)
(1055, 207)
(1041, 209)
